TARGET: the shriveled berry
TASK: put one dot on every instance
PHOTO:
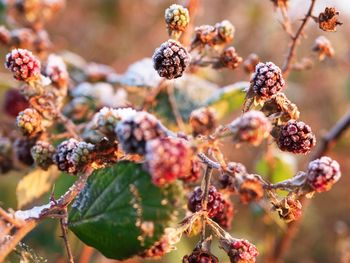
(171, 59)
(42, 153)
(328, 20)
(29, 122)
(23, 64)
(203, 121)
(204, 35)
(168, 159)
(229, 59)
(323, 173)
(267, 80)
(228, 179)
(296, 137)
(323, 47)
(289, 209)
(252, 127)
(194, 174)
(225, 217)
(250, 189)
(136, 130)
(250, 63)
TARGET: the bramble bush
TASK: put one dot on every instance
(145, 147)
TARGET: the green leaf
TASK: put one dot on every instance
(190, 92)
(228, 99)
(121, 213)
(280, 167)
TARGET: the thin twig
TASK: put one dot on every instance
(175, 109)
(68, 124)
(292, 49)
(205, 190)
(64, 229)
(150, 99)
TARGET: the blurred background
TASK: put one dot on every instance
(119, 33)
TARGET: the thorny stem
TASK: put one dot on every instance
(295, 39)
(55, 210)
(205, 189)
(174, 108)
(283, 244)
(64, 229)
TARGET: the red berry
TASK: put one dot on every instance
(23, 64)
(323, 173)
(168, 159)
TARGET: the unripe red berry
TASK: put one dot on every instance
(296, 137)
(168, 159)
(323, 173)
(239, 250)
(23, 64)
(171, 59)
(252, 127)
(267, 80)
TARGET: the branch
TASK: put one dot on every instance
(333, 135)
(292, 50)
(27, 220)
(283, 244)
(174, 108)
(205, 189)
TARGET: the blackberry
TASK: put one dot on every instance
(252, 127)
(216, 202)
(228, 179)
(29, 122)
(239, 250)
(203, 121)
(168, 159)
(42, 153)
(296, 137)
(177, 19)
(224, 218)
(6, 163)
(200, 256)
(73, 156)
(135, 130)
(14, 102)
(22, 150)
(23, 65)
(267, 80)
(323, 173)
(171, 59)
